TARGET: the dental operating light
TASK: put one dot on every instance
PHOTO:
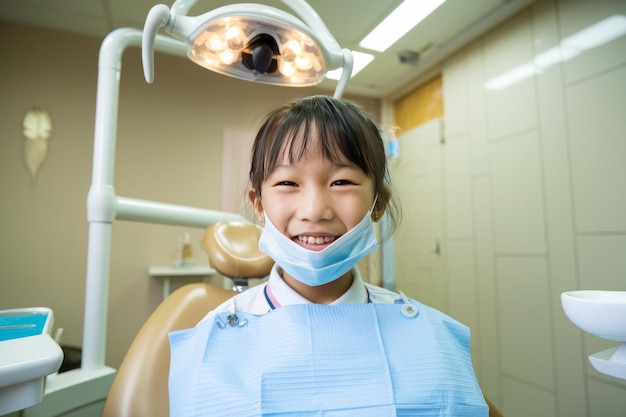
(252, 42)
(248, 41)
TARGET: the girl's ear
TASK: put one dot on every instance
(381, 204)
(257, 204)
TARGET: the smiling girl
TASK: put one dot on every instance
(315, 339)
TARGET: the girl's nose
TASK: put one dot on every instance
(315, 206)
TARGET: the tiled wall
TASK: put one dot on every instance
(534, 202)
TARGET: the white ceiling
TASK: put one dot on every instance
(451, 26)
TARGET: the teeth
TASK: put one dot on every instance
(315, 240)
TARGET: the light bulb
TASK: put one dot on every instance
(227, 57)
(209, 61)
(303, 62)
(216, 42)
(236, 44)
(286, 68)
(232, 32)
(235, 38)
(291, 50)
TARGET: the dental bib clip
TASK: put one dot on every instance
(408, 309)
(232, 320)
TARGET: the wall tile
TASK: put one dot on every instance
(411, 250)
(596, 110)
(606, 400)
(522, 400)
(479, 156)
(518, 195)
(602, 263)
(486, 287)
(455, 92)
(458, 193)
(509, 49)
(462, 284)
(577, 16)
(525, 320)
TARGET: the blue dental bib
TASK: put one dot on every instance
(318, 360)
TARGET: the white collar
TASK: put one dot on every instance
(285, 295)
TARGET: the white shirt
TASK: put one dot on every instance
(254, 301)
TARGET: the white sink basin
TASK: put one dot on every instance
(602, 314)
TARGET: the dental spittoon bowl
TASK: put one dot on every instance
(602, 314)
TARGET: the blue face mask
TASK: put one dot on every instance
(315, 268)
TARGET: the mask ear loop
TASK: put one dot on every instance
(374, 215)
(263, 214)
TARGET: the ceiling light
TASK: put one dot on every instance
(404, 18)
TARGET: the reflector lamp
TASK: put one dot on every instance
(252, 42)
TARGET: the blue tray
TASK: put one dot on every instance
(14, 325)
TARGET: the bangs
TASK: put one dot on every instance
(296, 143)
(340, 142)
(340, 131)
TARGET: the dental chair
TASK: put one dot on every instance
(233, 250)
(140, 388)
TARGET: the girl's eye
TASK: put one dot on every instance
(286, 183)
(342, 182)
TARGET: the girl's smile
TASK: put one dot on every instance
(314, 242)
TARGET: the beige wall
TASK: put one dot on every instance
(169, 149)
(530, 181)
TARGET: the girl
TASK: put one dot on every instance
(315, 340)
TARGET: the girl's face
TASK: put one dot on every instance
(313, 201)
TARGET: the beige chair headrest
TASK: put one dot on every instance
(233, 250)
